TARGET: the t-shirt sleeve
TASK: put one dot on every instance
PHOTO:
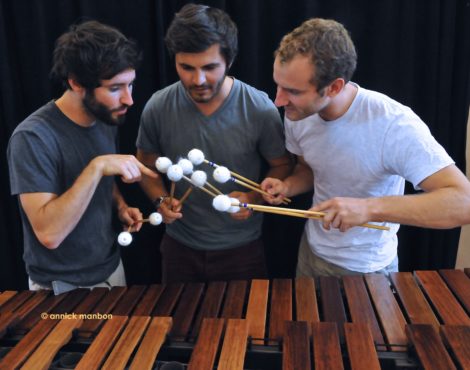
(32, 164)
(147, 137)
(412, 152)
(271, 144)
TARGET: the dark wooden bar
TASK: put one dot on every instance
(360, 306)
(458, 282)
(296, 348)
(457, 337)
(328, 323)
(388, 310)
(360, 345)
(429, 347)
(326, 346)
(442, 299)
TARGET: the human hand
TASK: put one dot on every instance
(130, 216)
(276, 188)
(343, 213)
(124, 165)
(243, 213)
(170, 212)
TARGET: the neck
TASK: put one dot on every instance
(339, 104)
(70, 104)
(211, 106)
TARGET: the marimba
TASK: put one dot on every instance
(410, 321)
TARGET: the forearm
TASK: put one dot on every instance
(153, 188)
(55, 219)
(281, 169)
(300, 181)
(441, 209)
(118, 199)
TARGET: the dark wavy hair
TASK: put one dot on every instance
(328, 45)
(92, 51)
(197, 27)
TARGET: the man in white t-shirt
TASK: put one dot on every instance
(355, 148)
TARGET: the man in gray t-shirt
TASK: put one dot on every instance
(62, 161)
(235, 125)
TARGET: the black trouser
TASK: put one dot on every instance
(183, 264)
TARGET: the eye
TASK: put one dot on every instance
(293, 92)
(211, 67)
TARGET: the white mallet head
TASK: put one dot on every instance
(155, 218)
(186, 165)
(175, 173)
(234, 209)
(162, 164)
(221, 174)
(221, 203)
(198, 178)
(196, 156)
(125, 238)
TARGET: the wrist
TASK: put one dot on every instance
(96, 166)
(157, 202)
(255, 197)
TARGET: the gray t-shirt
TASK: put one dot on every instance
(46, 153)
(243, 131)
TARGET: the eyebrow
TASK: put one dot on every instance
(118, 83)
(214, 64)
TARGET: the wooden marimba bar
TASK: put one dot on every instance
(409, 321)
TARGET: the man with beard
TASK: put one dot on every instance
(235, 125)
(62, 164)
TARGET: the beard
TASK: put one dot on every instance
(101, 111)
(206, 92)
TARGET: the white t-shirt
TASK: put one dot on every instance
(368, 152)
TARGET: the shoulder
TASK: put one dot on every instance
(252, 95)
(160, 97)
(378, 103)
(39, 123)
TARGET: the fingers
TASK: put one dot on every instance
(136, 216)
(129, 216)
(242, 214)
(341, 213)
(132, 170)
(170, 215)
(146, 171)
(126, 166)
(276, 190)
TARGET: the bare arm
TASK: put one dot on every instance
(155, 188)
(53, 217)
(445, 203)
(300, 181)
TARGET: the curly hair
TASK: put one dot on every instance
(197, 27)
(328, 45)
(92, 51)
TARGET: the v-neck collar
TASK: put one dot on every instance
(233, 92)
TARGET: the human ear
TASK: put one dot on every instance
(335, 87)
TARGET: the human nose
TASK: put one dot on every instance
(281, 99)
(199, 78)
(126, 97)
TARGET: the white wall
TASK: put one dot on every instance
(463, 255)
